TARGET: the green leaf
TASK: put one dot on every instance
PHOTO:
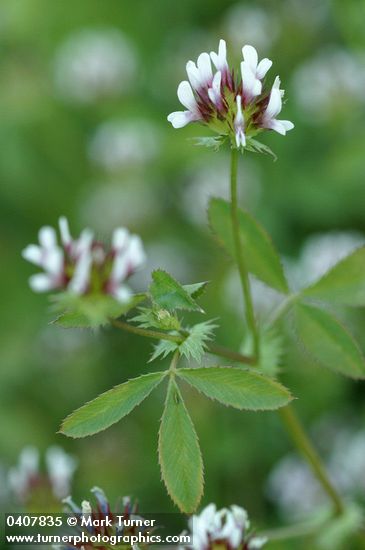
(168, 294)
(109, 407)
(236, 387)
(328, 341)
(256, 146)
(179, 453)
(344, 284)
(338, 531)
(260, 255)
(91, 311)
(197, 289)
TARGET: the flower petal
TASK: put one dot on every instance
(263, 67)
(33, 253)
(119, 238)
(250, 57)
(274, 106)
(186, 96)
(193, 74)
(280, 126)
(65, 231)
(47, 237)
(251, 85)
(179, 119)
(205, 69)
(41, 282)
(220, 59)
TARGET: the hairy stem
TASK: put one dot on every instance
(245, 283)
(306, 448)
(214, 349)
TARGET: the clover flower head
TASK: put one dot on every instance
(100, 510)
(28, 478)
(237, 107)
(227, 528)
(84, 265)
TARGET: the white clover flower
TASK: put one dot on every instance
(117, 144)
(239, 109)
(61, 468)
(293, 488)
(92, 64)
(22, 476)
(259, 26)
(322, 82)
(84, 265)
(227, 527)
(27, 475)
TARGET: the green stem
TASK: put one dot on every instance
(214, 349)
(245, 283)
(305, 446)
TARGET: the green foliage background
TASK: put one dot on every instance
(317, 185)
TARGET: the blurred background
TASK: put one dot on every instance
(85, 90)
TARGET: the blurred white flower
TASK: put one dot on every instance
(120, 201)
(293, 488)
(27, 476)
(328, 83)
(85, 265)
(319, 253)
(211, 179)
(227, 528)
(117, 144)
(61, 468)
(92, 64)
(22, 476)
(252, 23)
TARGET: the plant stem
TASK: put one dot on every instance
(214, 349)
(305, 446)
(245, 283)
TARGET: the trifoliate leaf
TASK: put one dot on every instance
(257, 147)
(179, 453)
(156, 318)
(167, 293)
(343, 284)
(328, 341)
(111, 406)
(91, 311)
(259, 253)
(236, 387)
